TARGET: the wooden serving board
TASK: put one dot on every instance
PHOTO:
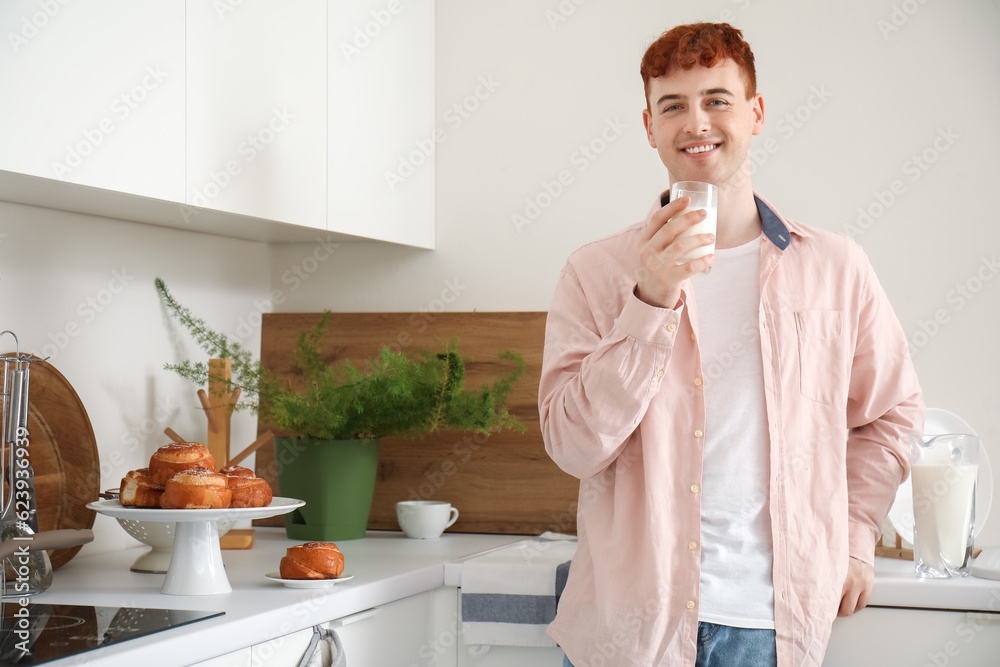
(504, 483)
(63, 454)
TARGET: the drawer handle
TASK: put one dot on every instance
(354, 618)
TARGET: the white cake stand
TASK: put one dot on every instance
(196, 564)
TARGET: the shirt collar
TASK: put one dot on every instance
(774, 228)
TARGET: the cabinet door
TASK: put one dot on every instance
(888, 636)
(284, 651)
(256, 109)
(94, 93)
(417, 630)
(382, 134)
(241, 658)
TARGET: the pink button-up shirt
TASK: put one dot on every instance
(622, 409)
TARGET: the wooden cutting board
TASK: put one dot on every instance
(504, 483)
(62, 451)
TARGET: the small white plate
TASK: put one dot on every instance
(308, 583)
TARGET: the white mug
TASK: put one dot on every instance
(425, 519)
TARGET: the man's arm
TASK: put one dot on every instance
(884, 406)
(595, 388)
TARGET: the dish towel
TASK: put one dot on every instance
(324, 650)
(510, 594)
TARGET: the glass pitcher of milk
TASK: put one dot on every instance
(944, 470)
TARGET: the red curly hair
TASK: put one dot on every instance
(706, 44)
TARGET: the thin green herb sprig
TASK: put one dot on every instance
(246, 370)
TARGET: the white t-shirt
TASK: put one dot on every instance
(736, 557)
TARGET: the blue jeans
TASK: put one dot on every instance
(724, 646)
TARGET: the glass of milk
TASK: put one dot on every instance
(944, 470)
(704, 196)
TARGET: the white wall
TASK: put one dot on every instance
(79, 289)
(853, 90)
(544, 90)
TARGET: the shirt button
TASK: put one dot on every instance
(693, 337)
(695, 488)
(690, 604)
(697, 382)
(699, 433)
(692, 545)
(671, 327)
(659, 373)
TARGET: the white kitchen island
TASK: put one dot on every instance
(401, 608)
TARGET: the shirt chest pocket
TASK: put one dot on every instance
(822, 348)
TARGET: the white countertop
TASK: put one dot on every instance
(896, 585)
(386, 567)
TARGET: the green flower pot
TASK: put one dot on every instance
(336, 479)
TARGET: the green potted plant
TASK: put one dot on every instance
(335, 413)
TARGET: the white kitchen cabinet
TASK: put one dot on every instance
(257, 120)
(382, 133)
(240, 658)
(257, 109)
(94, 93)
(889, 636)
(416, 630)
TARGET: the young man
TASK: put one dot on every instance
(739, 435)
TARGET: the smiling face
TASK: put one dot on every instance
(700, 122)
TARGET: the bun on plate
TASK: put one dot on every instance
(312, 560)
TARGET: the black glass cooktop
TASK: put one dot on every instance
(38, 633)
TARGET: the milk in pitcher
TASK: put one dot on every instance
(943, 505)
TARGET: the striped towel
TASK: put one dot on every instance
(509, 595)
